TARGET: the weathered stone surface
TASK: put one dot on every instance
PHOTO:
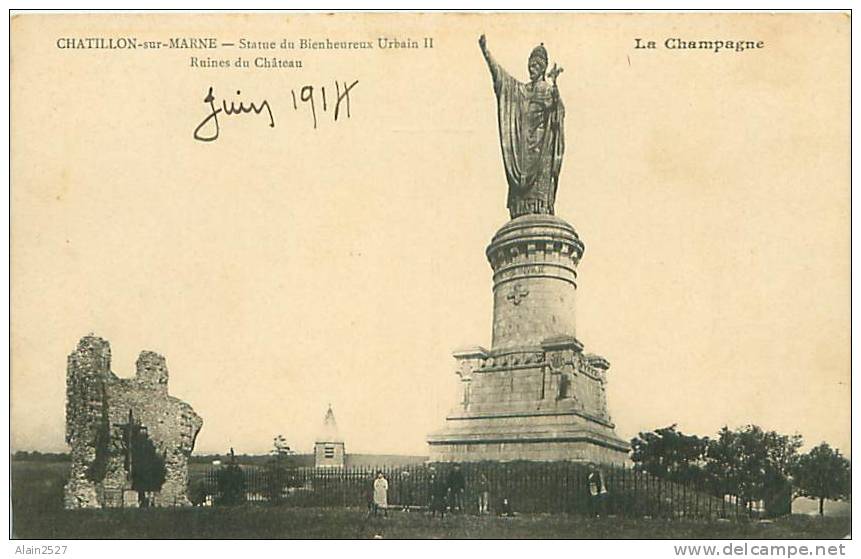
(534, 395)
(534, 260)
(106, 414)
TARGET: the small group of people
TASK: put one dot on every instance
(447, 494)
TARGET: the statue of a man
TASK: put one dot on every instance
(530, 132)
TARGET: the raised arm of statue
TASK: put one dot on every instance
(496, 71)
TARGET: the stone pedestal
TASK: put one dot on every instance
(535, 395)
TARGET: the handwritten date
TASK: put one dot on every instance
(316, 101)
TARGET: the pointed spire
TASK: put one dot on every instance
(329, 433)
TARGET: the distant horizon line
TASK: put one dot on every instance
(227, 452)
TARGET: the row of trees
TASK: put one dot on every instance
(36, 456)
(230, 481)
(749, 463)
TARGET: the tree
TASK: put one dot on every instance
(823, 473)
(148, 471)
(782, 451)
(751, 463)
(280, 448)
(669, 454)
(231, 482)
(277, 473)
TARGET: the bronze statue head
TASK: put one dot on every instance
(537, 62)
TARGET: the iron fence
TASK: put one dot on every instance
(529, 487)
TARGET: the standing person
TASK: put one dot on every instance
(456, 487)
(597, 492)
(506, 509)
(405, 490)
(369, 494)
(438, 494)
(381, 492)
(483, 493)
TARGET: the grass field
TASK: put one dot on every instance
(253, 522)
(38, 514)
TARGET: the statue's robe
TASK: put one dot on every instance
(531, 135)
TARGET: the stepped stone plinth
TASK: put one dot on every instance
(535, 395)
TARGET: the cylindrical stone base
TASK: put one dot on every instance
(534, 260)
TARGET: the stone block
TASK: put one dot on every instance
(130, 499)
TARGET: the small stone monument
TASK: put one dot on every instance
(535, 395)
(329, 446)
(129, 438)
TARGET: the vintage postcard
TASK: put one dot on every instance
(430, 275)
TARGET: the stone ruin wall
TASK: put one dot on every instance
(98, 404)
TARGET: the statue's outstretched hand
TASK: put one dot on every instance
(482, 42)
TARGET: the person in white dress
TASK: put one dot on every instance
(381, 491)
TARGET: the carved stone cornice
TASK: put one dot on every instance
(535, 246)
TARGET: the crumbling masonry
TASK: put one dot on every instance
(130, 440)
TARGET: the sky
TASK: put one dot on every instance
(282, 269)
